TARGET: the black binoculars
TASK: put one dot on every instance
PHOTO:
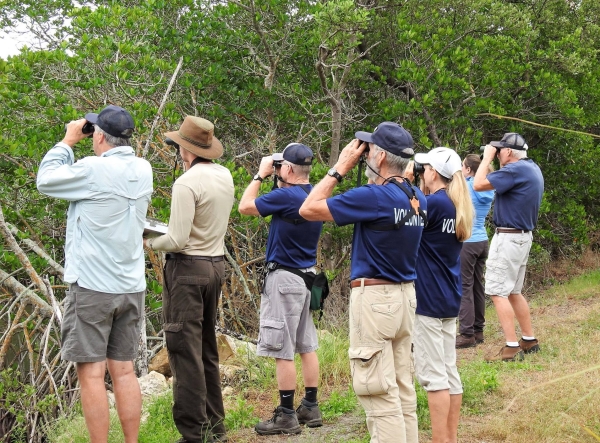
(418, 168)
(171, 142)
(88, 128)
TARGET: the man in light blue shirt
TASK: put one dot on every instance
(104, 261)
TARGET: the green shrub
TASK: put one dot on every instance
(338, 404)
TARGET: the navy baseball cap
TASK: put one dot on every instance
(295, 153)
(390, 136)
(511, 140)
(113, 120)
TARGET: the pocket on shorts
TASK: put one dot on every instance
(271, 334)
(174, 336)
(386, 308)
(496, 271)
(92, 306)
(366, 365)
(293, 297)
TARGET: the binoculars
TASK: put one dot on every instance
(171, 142)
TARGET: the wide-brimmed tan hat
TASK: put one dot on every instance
(196, 135)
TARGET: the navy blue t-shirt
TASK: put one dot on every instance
(390, 255)
(438, 284)
(519, 189)
(294, 246)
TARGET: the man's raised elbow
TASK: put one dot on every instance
(306, 213)
(246, 208)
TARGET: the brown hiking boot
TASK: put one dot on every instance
(464, 341)
(507, 353)
(284, 421)
(478, 337)
(309, 414)
(529, 346)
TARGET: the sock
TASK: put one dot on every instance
(311, 395)
(286, 399)
(512, 344)
(528, 338)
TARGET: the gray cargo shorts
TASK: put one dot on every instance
(286, 324)
(99, 325)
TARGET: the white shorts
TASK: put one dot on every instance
(506, 263)
(435, 354)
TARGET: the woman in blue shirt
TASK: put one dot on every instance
(438, 288)
(471, 317)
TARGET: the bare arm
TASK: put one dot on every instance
(315, 206)
(480, 182)
(247, 203)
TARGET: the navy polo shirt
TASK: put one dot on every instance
(390, 255)
(290, 245)
(519, 189)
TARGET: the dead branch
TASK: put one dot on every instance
(14, 246)
(33, 246)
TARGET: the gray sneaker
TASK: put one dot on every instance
(283, 422)
(309, 414)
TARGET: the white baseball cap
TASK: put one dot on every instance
(444, 160)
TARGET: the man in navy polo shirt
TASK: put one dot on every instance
(388, 221)
(286, 324)
(519, 186)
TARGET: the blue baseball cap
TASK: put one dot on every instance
(295, 153)
(390, 136)
(113, 120)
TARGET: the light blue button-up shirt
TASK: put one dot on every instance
(109, 198)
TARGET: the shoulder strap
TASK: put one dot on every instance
(415, 209)
(296, 221)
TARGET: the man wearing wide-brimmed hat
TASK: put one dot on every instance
(194, 272)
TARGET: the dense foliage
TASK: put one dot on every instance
(267, 72)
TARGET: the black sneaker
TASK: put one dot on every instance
(284, 421)
(309, 414)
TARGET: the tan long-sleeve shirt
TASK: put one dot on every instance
(201, 203)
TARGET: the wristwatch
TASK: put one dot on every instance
(258, 177)
(333, 173)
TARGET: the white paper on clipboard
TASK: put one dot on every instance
(154, 227)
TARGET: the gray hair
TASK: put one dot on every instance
(395, 163)
(519, 153)
(301, 170)
(111, 140)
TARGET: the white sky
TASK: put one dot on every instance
(9, 46)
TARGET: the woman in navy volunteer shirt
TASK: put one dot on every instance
(438, 287)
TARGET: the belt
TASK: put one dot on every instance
(372, 282)
(511, 231)
(179, 256)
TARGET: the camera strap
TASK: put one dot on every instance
(415, 208)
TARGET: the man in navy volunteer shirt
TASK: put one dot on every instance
(286, 324)
(519, 188)
(387, 231)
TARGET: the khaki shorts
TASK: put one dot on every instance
(435, 354)
(507, 263)
(286, 324)
(98, 325)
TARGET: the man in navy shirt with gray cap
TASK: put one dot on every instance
(286, 324)
(519, 186)
(388, 217)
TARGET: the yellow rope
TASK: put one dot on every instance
(540, 125)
